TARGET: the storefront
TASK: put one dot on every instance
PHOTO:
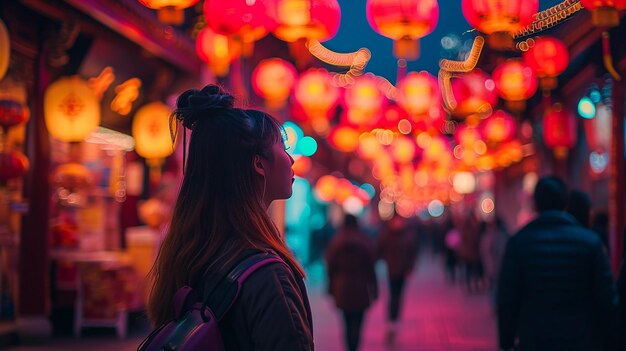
(71, 235)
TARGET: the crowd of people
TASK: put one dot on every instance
(551, 280)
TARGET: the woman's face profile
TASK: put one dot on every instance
(279, 176)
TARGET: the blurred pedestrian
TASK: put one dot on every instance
(493, 241)
(397, 246)
(236, 167)
(556, 290)
(579, 206)
(351, 257)
(469, 253)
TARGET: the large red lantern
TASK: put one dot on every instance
(13, 164)
(273, 79)
(559, 130)
(499, 18)
(404, 21)
(364, 101)
(317, 95)
(604, 13)
(217, 50)
(12, 113)
(475, 94)
(498, 128)
(417, 93)
(306, 19)
(548, 58)
(246, 21)
(515, 82)
(344, 138)
(169, 11)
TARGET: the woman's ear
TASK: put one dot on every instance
(258, 165)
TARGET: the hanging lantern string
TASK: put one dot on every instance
(355, 60)
(550, 17)
(448, 66)
(608, 57)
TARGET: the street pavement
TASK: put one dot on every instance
(436, 316)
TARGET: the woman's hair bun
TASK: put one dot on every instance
(194, 104)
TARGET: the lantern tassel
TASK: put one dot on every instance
(608, 57)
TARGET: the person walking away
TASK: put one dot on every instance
(492, 244)
(236, 167)
(579, 206)
(556, 290)
(351, 258)
(397, 246)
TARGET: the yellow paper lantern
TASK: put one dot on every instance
(71, 109)
(169, 11)
(151, 130)
(5, 49)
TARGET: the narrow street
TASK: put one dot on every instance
(437, 316)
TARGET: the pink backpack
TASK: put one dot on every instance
(195, 326)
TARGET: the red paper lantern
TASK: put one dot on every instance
(475, 93)
(417, 93)
(217, 50)
(306, 19)
(344, 139)
(515, 81)
(244, 20)
(498, 128)
(273, 79)
(316, 94)
(13, 164)
(548, 58)
(12, 113)
(169, 11)
(404, 21)
(559, 130)
(499, 18)
(604, 13)
(364, 101)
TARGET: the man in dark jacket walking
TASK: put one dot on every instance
(556, 291)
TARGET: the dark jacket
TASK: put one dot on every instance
(398, 248)
(352, 279)
(556, 291)
(271, 313)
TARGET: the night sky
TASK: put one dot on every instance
(355, 32)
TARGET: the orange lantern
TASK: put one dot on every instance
(604, 13)
(559, 130)
(317, 95)
(71, 176)
(515, 82)
(306, 19)
(499, 127)
(246, 21)
(499, 18)
(217, 50)
(369, 147)
(548, 58)
(417, 93)
(13, 164)
(71, 109)
(344, 190)
(301, 166)
(344, 139)
(475, 94)
(326, 187)
(403, 150)
(273, 79)
(169, 11)
(12, 113)
(364, 101)
(151, 130)
(404, 21)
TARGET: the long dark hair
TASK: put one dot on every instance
(219, 212)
